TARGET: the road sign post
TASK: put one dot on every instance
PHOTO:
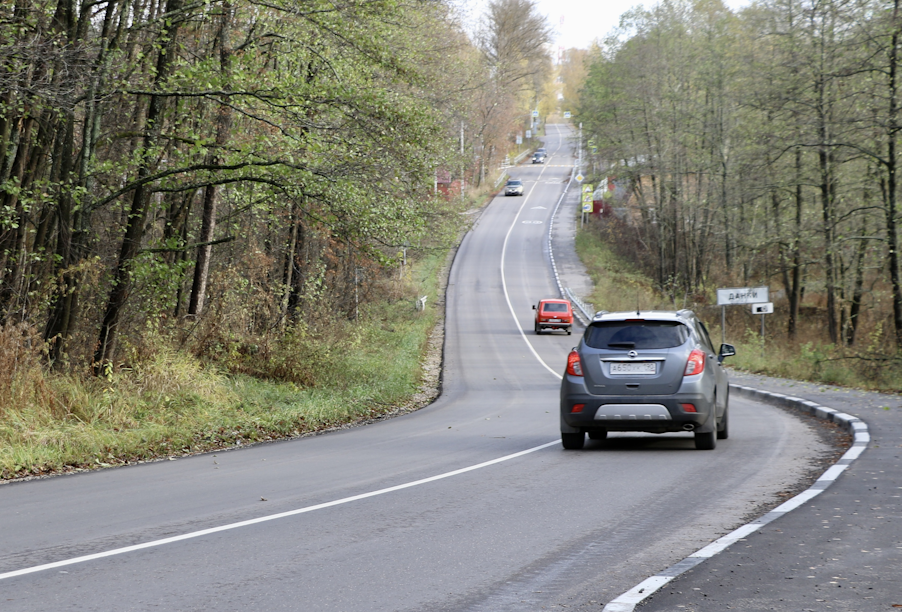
(587, 202)
(734, 296)
(763, 309)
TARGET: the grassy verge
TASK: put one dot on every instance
(172, 404)
(619, 287)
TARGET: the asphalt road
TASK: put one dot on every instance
(841, 551)
(468, 504)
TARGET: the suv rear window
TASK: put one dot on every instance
(554, 307)
(636, 335)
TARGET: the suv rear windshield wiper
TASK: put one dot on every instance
(621, 345)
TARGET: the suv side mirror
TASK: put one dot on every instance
(533, 306)
(726, 350)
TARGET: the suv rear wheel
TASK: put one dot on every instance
(705, 441)
(723, 431)
(573, 441)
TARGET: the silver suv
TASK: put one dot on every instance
(646, 371)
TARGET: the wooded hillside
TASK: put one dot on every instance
(760, 148)
(220, 171)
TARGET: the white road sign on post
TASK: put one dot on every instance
(742, 295)
(734, 296)
(762, 309)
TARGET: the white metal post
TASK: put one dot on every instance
(462, 161)
(762, 335)
(723, 324)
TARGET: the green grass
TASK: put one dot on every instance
(173, 404)
(619, 287)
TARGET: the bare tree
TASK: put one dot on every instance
(513, 39)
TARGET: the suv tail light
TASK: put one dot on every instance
(696, 363)
(574, 367)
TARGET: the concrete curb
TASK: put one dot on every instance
(628, 601)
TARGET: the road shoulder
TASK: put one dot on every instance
(841, 550)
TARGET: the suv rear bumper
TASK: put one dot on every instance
(648, 413)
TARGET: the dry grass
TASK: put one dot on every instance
(171, 402)
(810, 356)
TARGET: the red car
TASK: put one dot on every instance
(553, 314)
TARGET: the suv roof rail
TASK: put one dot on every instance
(685, 312)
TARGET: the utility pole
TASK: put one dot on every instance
(461, 161)
(579, 170)
(579, 148)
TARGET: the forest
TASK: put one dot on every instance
(197, 192)
(263, 162)
(759, 147)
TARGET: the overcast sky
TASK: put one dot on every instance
(583, 20)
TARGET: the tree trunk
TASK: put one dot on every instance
(795, 292)
(73, 217)
(137, 216)
(857, 291)
(211, 192)
(890, 191)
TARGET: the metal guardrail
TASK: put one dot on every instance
(588, 310)
(507, 163)
(521, 156)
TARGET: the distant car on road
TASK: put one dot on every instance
(513, 187)
(553, 314)
(652, 371)
(538, 158)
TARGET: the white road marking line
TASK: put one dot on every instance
(504, 280)
(345, 500)
(271, 517)
(628, 601)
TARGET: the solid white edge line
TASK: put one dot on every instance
(557, 279)
(270, 517)
(723, 542)
(504, 280)
(628, 601)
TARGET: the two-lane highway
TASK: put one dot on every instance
(469, 504)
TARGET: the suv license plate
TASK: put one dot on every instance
(554, 320)
(635, 367)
